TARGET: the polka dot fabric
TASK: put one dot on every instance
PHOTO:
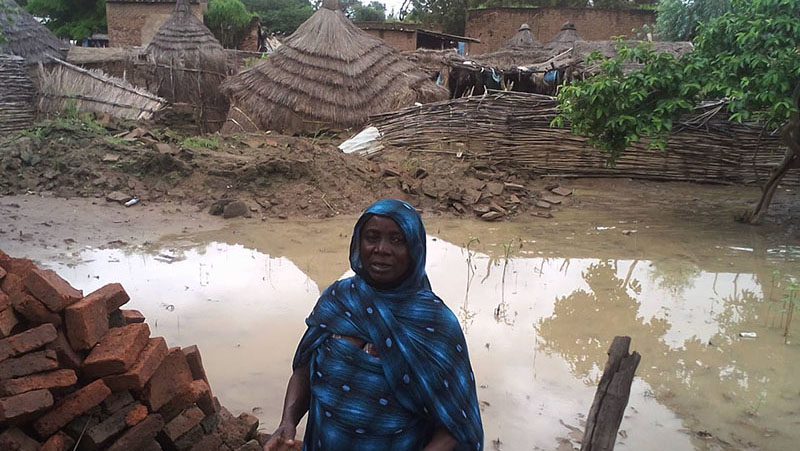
(421, 381)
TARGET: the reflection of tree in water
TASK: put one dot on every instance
(674, 275)
(717, 385)
(584, 323)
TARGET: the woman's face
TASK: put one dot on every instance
(384, 252)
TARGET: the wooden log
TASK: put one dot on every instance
(611, 397)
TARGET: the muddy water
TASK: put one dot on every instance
(539, 303)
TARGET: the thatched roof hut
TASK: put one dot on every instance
(522, 49)
(565, 38)
(22, 35)
(190, 65)
(17, 94)
(327, 74)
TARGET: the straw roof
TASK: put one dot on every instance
(65, 85)
(22, 35)
(17, 94)
(190, 65)
(327, 74)
(522, 49)
(565, 38)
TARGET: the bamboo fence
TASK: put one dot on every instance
(513, 129)
(17, 94)
(66, 85)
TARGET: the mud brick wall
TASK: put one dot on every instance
(78, 370)
(400, 40)
(495, 26)
(132, 23)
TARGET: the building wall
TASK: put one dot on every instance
(495, 26)
(400, 40)
(135, 24)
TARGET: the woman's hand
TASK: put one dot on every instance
(282, 439)
(442, 441)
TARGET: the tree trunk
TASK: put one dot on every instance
(611, 397)
(791, 160)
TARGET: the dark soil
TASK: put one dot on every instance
(274, 175)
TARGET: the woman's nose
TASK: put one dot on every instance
(383, 247)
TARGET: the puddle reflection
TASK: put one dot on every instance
(538, 328)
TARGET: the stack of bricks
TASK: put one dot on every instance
(80, 371)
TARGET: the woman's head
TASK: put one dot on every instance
(388, 246)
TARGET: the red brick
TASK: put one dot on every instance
(188, 439)
(140, 435)
(34, 362)
(198, 392)
(33, 309)
(59, 442)
(71, 407)
(101, 435)
(18, 266)
(117, 351)
(149, 360)
(113, 295)
(172, 377)
(55, 292)
(132, 316)
(117, 401)
(2, 272)
(208, 442)
(16, 440)
(11, 284)
(181, 424)
(49, 380)
(195, 362)
(136, 415)
(67, 357)
(24, 405)
(5, 302)
(86, 321)
(27, 341)
(8, 320)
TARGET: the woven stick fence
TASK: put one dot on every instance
(93, 91)
(17, 94)
(513, 129)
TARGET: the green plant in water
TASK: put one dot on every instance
(200, 142)
(790, 301)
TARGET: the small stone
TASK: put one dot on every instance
(235, 209)
(561, 191)
(491, 216)
(118, 196)
(542, 204)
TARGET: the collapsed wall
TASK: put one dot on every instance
(79, 372)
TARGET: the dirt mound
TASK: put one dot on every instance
(274, 175)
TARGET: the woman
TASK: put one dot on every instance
(383, 364)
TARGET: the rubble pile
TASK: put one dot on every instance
(79, 372)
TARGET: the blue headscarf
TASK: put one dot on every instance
(422, 380)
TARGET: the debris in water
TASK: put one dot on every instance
(748, 334)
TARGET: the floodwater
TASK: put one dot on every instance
(539, 302)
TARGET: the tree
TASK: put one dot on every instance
(749, 56)
(373, 12)
(72, 19)
(450, 15)
(280, 16)
(229, 20)
(677, 20)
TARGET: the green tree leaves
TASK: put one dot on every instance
(228, 20)
(749, 56)
(73, 19)
(280, 16)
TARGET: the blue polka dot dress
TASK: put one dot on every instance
(418, 379)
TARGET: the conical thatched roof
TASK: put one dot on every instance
(523, 49)
(524, 38)
(22, 35)
(190, 65)
(327, 74)
(565, 38)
